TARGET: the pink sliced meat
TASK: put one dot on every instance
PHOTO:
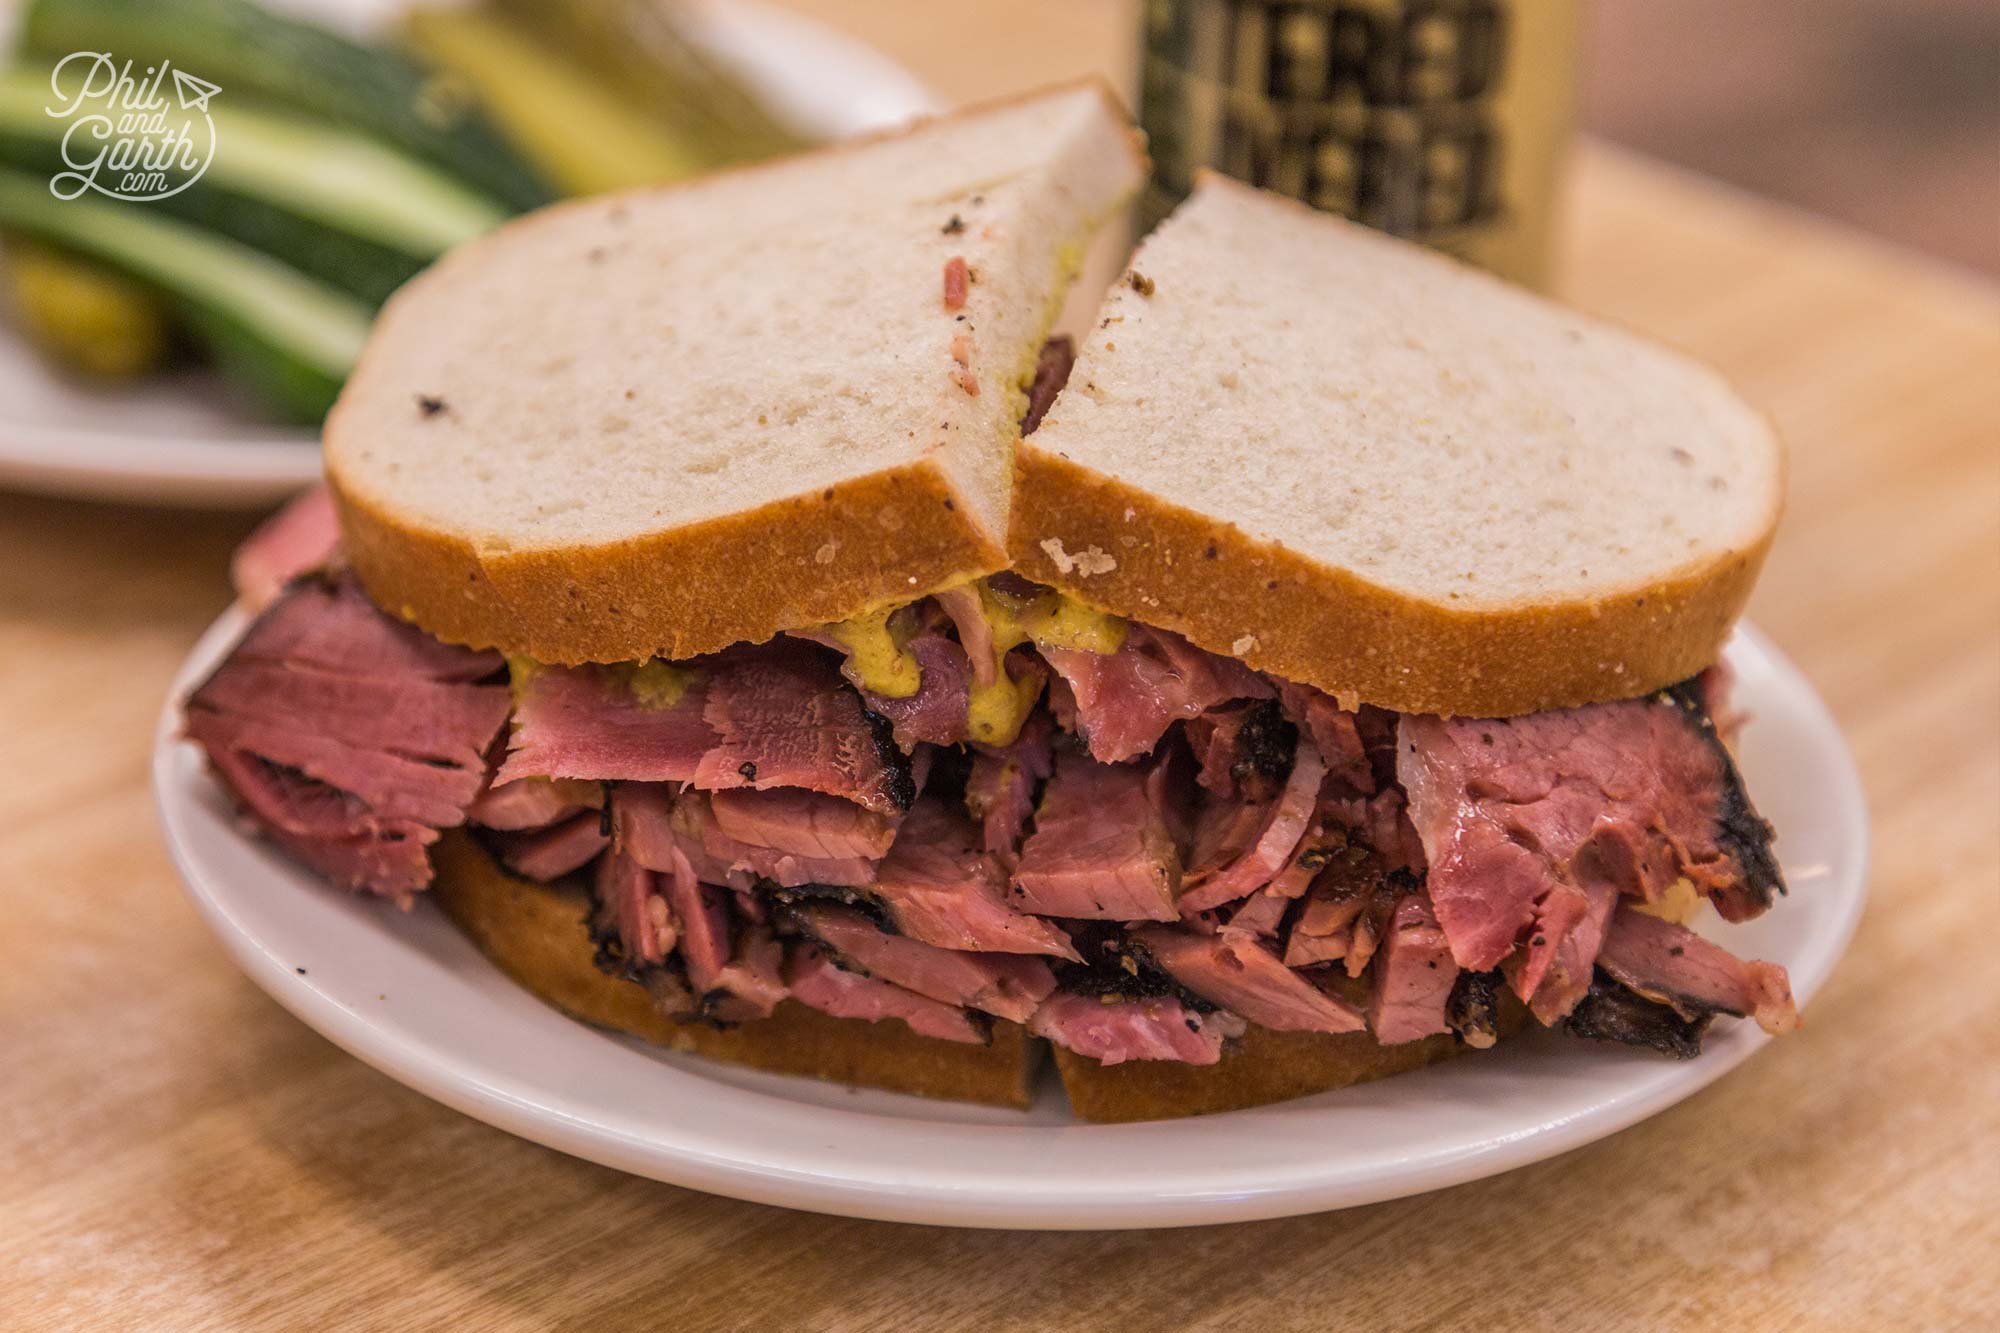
(350, 746)
(1678, 968)
(1007, 986)
(804, 823)
(1231, 968)
(1380, 823)
(642, 823)
(1633, 795)
(550, 853)
(1261, 914)
(1126, 700)
(534, 803)
(1335, 734)
(815, 979)
(785, 718)
(1552, 971)
(702, 911)
(632, 898)
(327, 829)
(1323, 931)
(1156, 1028)
(938, 887)
(328, 624)
(1101, 849)
(1414, 974)
(299, 538)
(1000, 789)
(936, 713)
(721, 859)
(1210, 886)
(588, 722)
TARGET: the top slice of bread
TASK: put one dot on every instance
(1355, 463)
(668, 420)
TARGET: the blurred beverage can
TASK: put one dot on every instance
(1444, 121)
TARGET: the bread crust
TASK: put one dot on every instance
(1260, 1067)
(889, 537)
(537, 934)
(1252, 599)
(892, 536)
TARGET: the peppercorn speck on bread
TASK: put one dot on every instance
(802, 379)
(1360, 465)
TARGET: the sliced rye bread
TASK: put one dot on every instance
(668, 420)
(1360, 465)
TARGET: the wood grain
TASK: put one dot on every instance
(176, 1151)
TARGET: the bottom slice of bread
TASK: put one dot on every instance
(538, 935)
(1259, 1068)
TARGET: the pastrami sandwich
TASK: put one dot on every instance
(1327, 682)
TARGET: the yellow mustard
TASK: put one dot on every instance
(1051, 620)
(995, 711)
(1677, 904)
(656, 683)
(880, 662)
(878, 659)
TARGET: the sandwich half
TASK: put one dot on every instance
(1484, 552)
(727, 615)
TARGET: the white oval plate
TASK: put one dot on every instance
(409, 995)
(185, 439)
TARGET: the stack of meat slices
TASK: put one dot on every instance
(1170, 848)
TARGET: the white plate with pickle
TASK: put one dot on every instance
(164, 371)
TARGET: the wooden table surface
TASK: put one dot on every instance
(176, 1150)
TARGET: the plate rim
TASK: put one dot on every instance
(933, 1197)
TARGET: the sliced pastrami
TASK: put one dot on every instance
(785, 718)
(803, 823)
(1007, 986)
(1610, 1012)
(721, 859)
(1158, 1027)
(1126, 700)
(635, 926)
(1209, 886)
(1243, 750)
(1001, 785)
(1229, 967)
(938, 887)
(298, 539)
(352, 739)
(1633, 795)
(592, 722)
(534, 803)
(1323, 930)
(1335, 733)
(816, 980)
(1678, 968)
(1101, 849)
(552, 852)
(1414, 976)
(1052, 367)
